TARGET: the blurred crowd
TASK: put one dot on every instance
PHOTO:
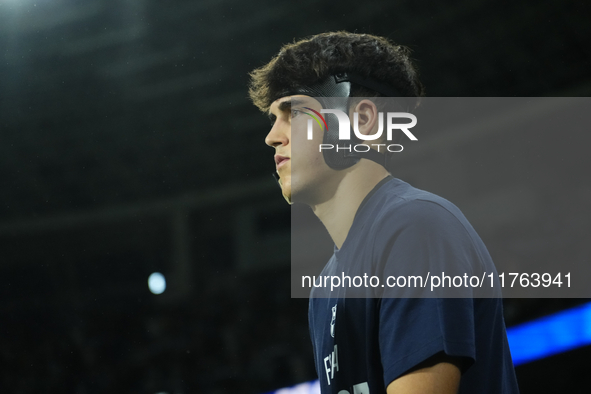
(240, 334)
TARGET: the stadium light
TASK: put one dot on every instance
(157, 283)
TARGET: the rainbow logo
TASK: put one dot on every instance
(316, 119)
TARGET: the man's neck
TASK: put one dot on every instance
(337, 214)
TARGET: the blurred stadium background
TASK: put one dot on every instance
(128, 146)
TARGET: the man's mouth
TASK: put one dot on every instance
(280, 160)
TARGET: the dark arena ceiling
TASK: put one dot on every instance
(105, 102)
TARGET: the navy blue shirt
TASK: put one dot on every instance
(362, 344)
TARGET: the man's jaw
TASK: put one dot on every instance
(286, 189)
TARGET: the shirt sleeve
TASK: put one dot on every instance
(424, 238)
(413, 329)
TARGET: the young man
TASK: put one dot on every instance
(376, 342)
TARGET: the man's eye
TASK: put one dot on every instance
(295, 112)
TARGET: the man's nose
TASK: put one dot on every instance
(276, 136)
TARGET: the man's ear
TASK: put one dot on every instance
(367, 113)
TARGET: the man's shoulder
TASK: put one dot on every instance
(414, 222)
(401, 203)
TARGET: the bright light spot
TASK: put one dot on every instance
(157, 283)
(550, 335)
(302, 388)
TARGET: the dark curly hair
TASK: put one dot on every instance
(311, 60)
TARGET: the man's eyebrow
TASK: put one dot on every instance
(295, 102)
(285, 106)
